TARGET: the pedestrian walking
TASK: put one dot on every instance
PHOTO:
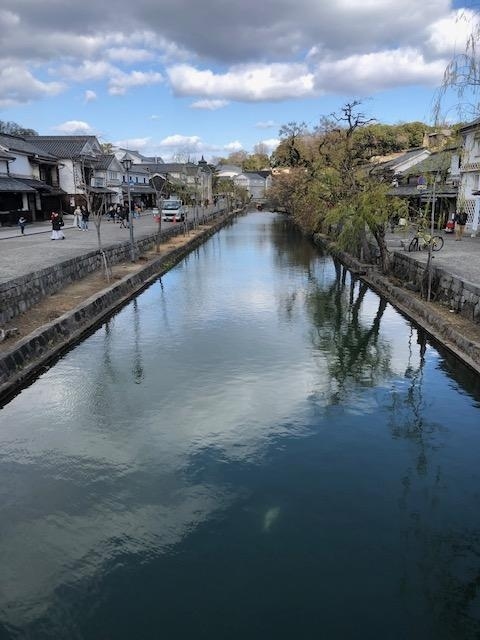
(460, 222)
(85, 217)
(57, 224)
(77, 217)
(121, 217)
(21, 223)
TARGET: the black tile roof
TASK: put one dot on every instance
(104, 161)
(62, 146)
(24, 145)
(7, 183)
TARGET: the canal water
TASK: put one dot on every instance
(258, 446)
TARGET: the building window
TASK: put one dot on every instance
(112, 175)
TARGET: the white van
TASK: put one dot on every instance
(173, 210)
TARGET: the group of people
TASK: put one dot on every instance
(120, 213)
(80, 217)
(116, 213)
(80, 220)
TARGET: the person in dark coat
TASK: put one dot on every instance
(85, 217)
(57, 224)
(460, 222)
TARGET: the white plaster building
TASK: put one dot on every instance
(256, 183)
(77, 158)
(29, 180)
(228, 171)
(469, 192)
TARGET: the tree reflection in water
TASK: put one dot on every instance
(448, 560)
(441, 560)
(355, 353)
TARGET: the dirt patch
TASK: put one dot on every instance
(72, 295)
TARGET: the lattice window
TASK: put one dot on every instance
(469, 206)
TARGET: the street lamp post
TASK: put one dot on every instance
(196, 202)
(127, 165)
(430, 244)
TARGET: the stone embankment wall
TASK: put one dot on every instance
(453, 293)
(19, 295)
(31, 353)
(448, 290)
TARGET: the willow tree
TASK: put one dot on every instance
(462, 74)
(354, 207)
(370, 207)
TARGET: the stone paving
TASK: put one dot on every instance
(20, 255)
(461, 259)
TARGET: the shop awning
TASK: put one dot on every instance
(41, 186)
(8, 183)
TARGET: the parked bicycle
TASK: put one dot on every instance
(423, 240)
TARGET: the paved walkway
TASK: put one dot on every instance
(20, 255)
(461, 259)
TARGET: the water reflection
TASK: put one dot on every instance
(257, 433)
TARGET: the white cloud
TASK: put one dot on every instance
(19, 86)
(8, 19)
(212, 105)
(86, 71)
(247, 83)
(449, 34)
(360, 74)
(154, 117)
(233, 146)
(74, 127)
(178, 140)
(271, 144)
(129, 55)
(121, 82)
(118, 81)
(266, 124)
(90, 96)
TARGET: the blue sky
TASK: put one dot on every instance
(180, 77)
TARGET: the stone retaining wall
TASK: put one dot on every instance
(449, 291)
(20, 294)
(452, 292)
